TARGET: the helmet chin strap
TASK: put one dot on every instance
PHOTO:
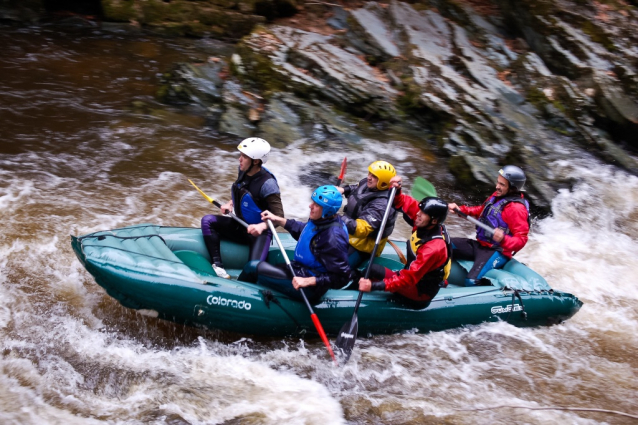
(252, 164)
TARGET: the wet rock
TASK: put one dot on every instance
(372, 34)
(339, 18)
(234, 121)
(280, 124)
(282, 58)
(558, 82)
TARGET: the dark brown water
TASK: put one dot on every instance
(84, 147)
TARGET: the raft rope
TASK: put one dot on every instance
(466, 295)
(567, 408)
(517, 293)
(269, 297)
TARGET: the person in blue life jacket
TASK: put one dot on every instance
(254, 191)
(506, 211)
(367, 201)
(321, 255)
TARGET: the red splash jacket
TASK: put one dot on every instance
(515, 215)
(429, 256)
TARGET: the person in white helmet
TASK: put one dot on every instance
(254, 191)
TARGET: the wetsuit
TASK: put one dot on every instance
(251, 195)
(511, 214)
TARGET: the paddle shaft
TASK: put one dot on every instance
(474, 221)
(386, 214)
(218, 205)
(313, 316)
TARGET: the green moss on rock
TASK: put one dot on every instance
(461, 170)
(119, 10)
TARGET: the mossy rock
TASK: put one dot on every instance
(119, 10)
(461, 170)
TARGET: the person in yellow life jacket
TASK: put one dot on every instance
(429, 251)
(367, 201)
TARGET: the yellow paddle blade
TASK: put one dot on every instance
(208, 198)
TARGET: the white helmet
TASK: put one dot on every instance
(255, 148)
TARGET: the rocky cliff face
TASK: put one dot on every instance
(484, 83)
(528, 82)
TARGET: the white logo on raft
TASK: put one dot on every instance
(225, 302)
(498, 309)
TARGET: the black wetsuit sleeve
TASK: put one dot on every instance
(274, 204)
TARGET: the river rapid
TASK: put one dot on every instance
(84, 147)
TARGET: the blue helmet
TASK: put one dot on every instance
(329, 198)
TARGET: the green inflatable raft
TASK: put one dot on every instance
(166, 272)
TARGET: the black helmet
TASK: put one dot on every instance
(514, 175)
(436, 208)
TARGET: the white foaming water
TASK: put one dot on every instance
(70, 354)
(64, 357)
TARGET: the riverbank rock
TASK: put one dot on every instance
(524, 82)
(528, 82)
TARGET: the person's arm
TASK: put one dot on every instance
(347, 190)
(407, 204)
(473, 211)
(369, 219)
(271, 194)
(332, 252)
(515, 215)
(294, 227)
(429, 257)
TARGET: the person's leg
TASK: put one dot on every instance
(486, 260)
(214, 227)
(211, 227)
(462, 248)
(279, 279)
(260, 246)
(276, 277)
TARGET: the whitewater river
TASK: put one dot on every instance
(76, 156)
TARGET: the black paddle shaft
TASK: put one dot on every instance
(386, 214)
(348, 332)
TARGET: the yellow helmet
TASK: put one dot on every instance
(384, 171)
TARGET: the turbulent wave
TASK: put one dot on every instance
(71, 354)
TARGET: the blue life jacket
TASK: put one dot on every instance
(304, 252)
(245, 194)
(492, 215)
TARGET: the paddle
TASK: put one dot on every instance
(344, 165)
(218, 205)
(423, 188)
(348, 332)
(313, 316)
(474, 221)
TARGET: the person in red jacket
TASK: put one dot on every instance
(429, 251)
(507, 211)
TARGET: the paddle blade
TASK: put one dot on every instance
(347, 337)
(422, 188)
(344, 165)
